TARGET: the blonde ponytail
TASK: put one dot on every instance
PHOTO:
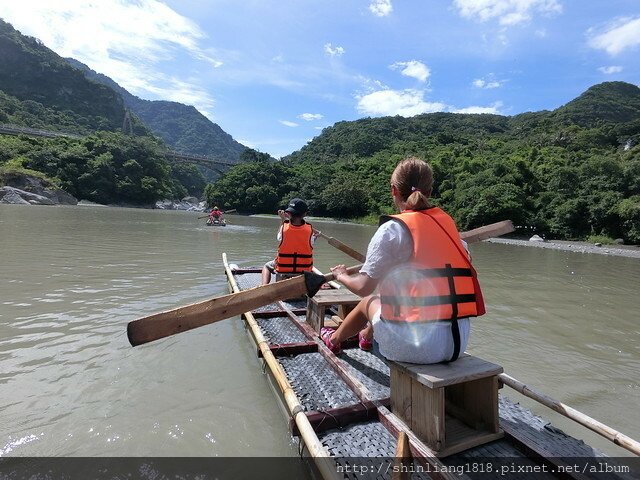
(413, 178)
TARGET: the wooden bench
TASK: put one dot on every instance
(318, 304)
(451, 407)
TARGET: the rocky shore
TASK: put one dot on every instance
(27, 190)
(577, 247)
(23, 189)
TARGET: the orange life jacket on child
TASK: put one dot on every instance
(295, 253)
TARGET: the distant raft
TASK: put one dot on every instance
(216, 223)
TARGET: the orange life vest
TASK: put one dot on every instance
(439, 282)
(295, 253)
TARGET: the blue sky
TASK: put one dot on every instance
(274, 73)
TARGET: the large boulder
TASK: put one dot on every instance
(10, 196)
(28, 197)
(38, 187)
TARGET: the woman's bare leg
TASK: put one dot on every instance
(356, 319)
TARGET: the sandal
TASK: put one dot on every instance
(325, 335)
(364, 343)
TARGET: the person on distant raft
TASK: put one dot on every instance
(215, 214)
(296, 237)
(427, 287)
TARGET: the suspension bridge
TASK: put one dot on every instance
(214, 163)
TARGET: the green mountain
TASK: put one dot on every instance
(612, 102)
(39, 89)
(615, 104)
(182, 127)
(568, 173)
(44, 84)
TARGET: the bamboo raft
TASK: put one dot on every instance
(340, 409)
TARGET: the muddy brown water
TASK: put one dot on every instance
(72, 277)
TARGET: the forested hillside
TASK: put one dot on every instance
(182, 127)
(568, 173)
(32, 73)
(39, 89)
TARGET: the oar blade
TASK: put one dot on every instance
(488, 231)
(164, 324)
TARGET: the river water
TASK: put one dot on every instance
(72, 277)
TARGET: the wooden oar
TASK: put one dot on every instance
(488, 231)
(471, 236)
(341, 246)
(229, 211)
(204, 216)
(164, 324)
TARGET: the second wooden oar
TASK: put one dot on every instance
(165, 324)
(341, 246)
(471, 236)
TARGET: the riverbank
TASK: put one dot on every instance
(632, 251)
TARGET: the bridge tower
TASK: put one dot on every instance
(127, 127)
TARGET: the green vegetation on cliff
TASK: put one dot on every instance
(568, 173)
(33, 73)
(40, 90)
(181, 126)
(104, 167)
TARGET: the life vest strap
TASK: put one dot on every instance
(294, 255)
(448, 272)
(451, 299)
(295, 265)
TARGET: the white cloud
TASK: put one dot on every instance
(488, 83)
(494, 109)
(333, 52)
(310, 116)
(540, 33)
(508, 12)
(288, 123)
(126, 41)
(381, 8)
(412, 68)
(621, 34)
(610, 69)
(397, 102)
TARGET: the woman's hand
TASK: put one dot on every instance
(339, 270)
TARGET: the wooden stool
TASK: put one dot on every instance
(318, 304)
(451, 407)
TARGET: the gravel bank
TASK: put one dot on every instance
(578, 247)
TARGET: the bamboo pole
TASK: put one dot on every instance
(296, 410)
(594, 425)
(403, 458)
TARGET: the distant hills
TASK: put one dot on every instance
(43, 84)
(571, 173)
(616, 104)
(182, 127)
(40, 89)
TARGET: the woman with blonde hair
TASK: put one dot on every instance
(426, 287)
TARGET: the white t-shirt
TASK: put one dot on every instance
(390, 246)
